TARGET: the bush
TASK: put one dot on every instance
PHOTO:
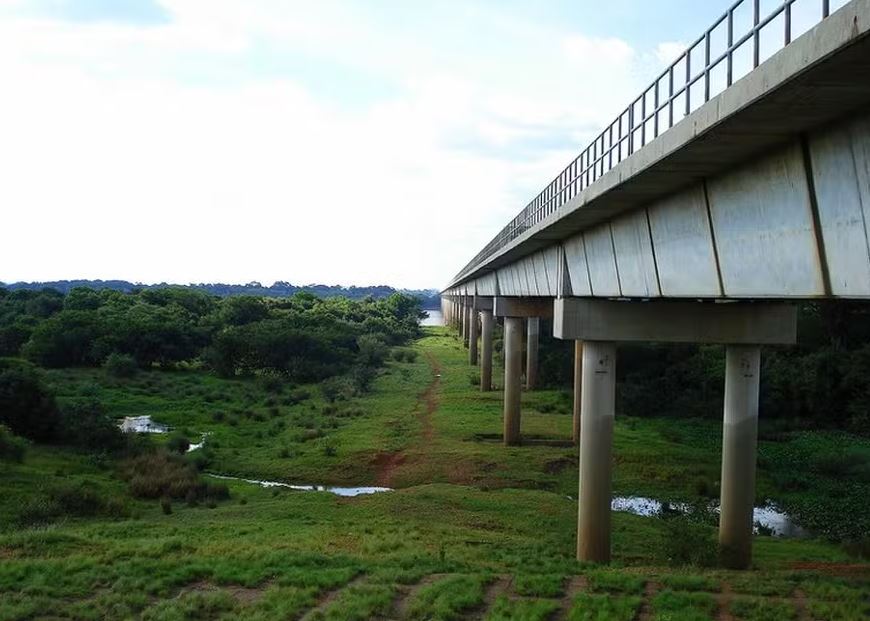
(12, 448)
(121, 366)
(84, 423)
(177, 443)
(27, 407)
(688, 541)
(160, 474)
(69, 500)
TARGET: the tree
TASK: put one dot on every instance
(27, 407)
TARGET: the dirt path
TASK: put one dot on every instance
(575, 586)
(645, 613)
(388, 463)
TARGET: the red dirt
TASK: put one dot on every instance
(723, 599)
(835, 569)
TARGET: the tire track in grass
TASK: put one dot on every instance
(329, 597)
(388, 463)
(723, 600)
(575, 586)
(645, 612)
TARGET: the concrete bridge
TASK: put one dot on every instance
(700, 215)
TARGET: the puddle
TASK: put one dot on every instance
(144, 424)
(338, 491)
(141, 424)
(200, 444)
(767, 517)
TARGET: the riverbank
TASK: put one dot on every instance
(470, 530)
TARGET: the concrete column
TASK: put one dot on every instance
(466, 333)
(578, 390)
(513, 368)
(472, 339)
(534, 329)
(596, 445)
(486, 350)
(739, 439)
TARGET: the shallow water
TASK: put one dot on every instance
(434, 318)
(338, 491)
(767, 516)
(141, 424)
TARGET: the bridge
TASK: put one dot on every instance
(735, 185)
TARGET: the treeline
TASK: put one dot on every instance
(823, 381)
(429, 298)
(303, 337)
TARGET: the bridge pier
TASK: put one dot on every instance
(596, 446)
(512, 378)
(514, 310)
(533, 332)
(742, 327)
(472, 335)
(739, 441)
(486, 350)
(578, 391)
(466, 321)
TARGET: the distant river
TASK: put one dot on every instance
(434, 319)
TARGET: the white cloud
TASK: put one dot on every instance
(116, 167)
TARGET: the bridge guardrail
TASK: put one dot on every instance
(672, 96)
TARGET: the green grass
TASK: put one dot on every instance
(600, 607)
(757, 609)
(521, 610)
(681, 606)
(464, 506)
(448, 598)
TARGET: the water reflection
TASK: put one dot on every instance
(338, 491)
(434, 318)
(767, 518)
(141, 424)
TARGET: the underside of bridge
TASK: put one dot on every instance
(709, 233)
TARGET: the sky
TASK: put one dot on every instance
(337, 141)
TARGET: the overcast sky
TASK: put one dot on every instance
(330, 141)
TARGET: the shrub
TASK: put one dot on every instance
(69, 500)
(160, 474)
(474, 378)
(12, 448)
(84, 423)
(177, 443)
(688, 541)
(27, 407)
(120, 366)
(166, 505)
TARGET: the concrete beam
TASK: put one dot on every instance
(675, 322)
(523, 307)
(482, 303)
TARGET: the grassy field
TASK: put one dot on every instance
(473, 530)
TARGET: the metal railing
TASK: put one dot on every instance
(684, 86)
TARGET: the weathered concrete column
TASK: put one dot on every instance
(739, 440)
(472, 337)
(596, 446)
(534, 329)
(486, 350)
(466, 320)
(513, 368)
(578, 390)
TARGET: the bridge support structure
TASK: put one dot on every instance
(533, 325)
(578, 392)
(514, 310)
(742, 328)
(483, 306)
(472, 332)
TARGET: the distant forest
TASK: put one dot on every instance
(429, 298)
